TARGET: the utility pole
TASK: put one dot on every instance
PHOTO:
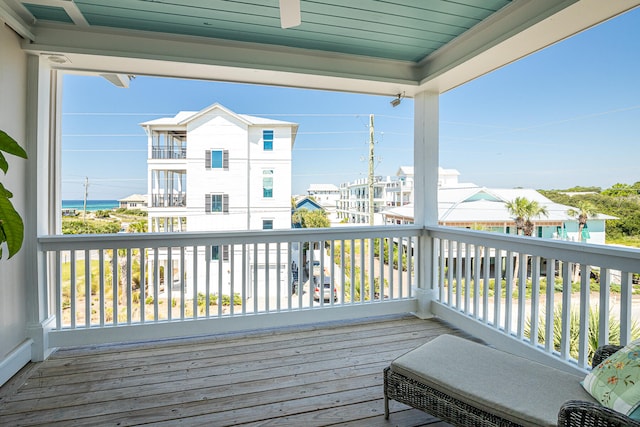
(371, 160)
(86, 193)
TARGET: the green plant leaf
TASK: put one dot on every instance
(4, 165)
(11, 225)
(11, 146)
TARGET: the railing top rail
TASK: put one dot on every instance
(146, 240)
(614, 257)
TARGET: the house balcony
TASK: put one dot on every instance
(169, 200)
(182, 316)
(164, 153)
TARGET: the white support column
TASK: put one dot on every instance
(426, 161)
(43, 194)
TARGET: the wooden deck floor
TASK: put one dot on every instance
(330, 374)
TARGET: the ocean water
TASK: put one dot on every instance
(92, 205)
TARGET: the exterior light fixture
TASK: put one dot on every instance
(397, 100)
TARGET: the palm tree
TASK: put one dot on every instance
(584, 211)
(533, 210)
(523, 209)
(517, 209)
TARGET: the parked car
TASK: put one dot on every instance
(326, 289)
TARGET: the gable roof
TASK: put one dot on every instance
(480, 204)
(305, 202)
(183, 118)
(323, 187)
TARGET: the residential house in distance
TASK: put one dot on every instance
(327, 195)
(305, 202)
(134, 201)
(353, 204)
(216, 170)
(390, 191)
(470, 206)
(400, 192)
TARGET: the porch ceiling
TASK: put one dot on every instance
(374, 46)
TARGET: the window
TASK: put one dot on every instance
(218, 250)
(267, 140)
(217, 159)
(267, 183)
(267, 224)
(217, 203)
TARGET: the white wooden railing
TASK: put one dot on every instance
(102, 282)
(517, 311)
(180, 284)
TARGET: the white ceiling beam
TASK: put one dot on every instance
(138, 52)
(14, 21)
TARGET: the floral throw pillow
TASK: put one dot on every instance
(616, 381)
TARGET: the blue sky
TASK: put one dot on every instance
(568, 115)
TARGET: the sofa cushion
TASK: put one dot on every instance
(616, 381)
(509, 386)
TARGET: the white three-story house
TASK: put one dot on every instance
(215, 170)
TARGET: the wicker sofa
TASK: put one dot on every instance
(469, 384)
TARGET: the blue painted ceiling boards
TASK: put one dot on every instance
(406, 30)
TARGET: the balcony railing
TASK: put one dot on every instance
(168, 153)
(553, 297)
(169, 201)
(106, 281)
(532, 296)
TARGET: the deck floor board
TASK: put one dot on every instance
(328, 374)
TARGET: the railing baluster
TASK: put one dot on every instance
(362, 271)
(412, 249)
(477, 262)
(232, 254)
(458, 264)
(321, 278)
(168, 282)
(278, 277)
(625, 307)
(115, 272)
(381, 260)
(128, 286)
(58, 288)
(450, 269)
(87, 288)
(508, 309)
(194, 290)
(485, 259)
(244, 279)
(497, 289)
(267, 273)
(372, 286)
(442, 271)
(468, 249)
(522, 293)
(566, 311)
(549, 310)
(143, 284)
(300, 274)
(101, 310)
(605, 291)
(535, 300)
(352, 270)
(583, 338)
(390, 268)
(255, 288)
(156, 286)
(220, 264)
(72, 284)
